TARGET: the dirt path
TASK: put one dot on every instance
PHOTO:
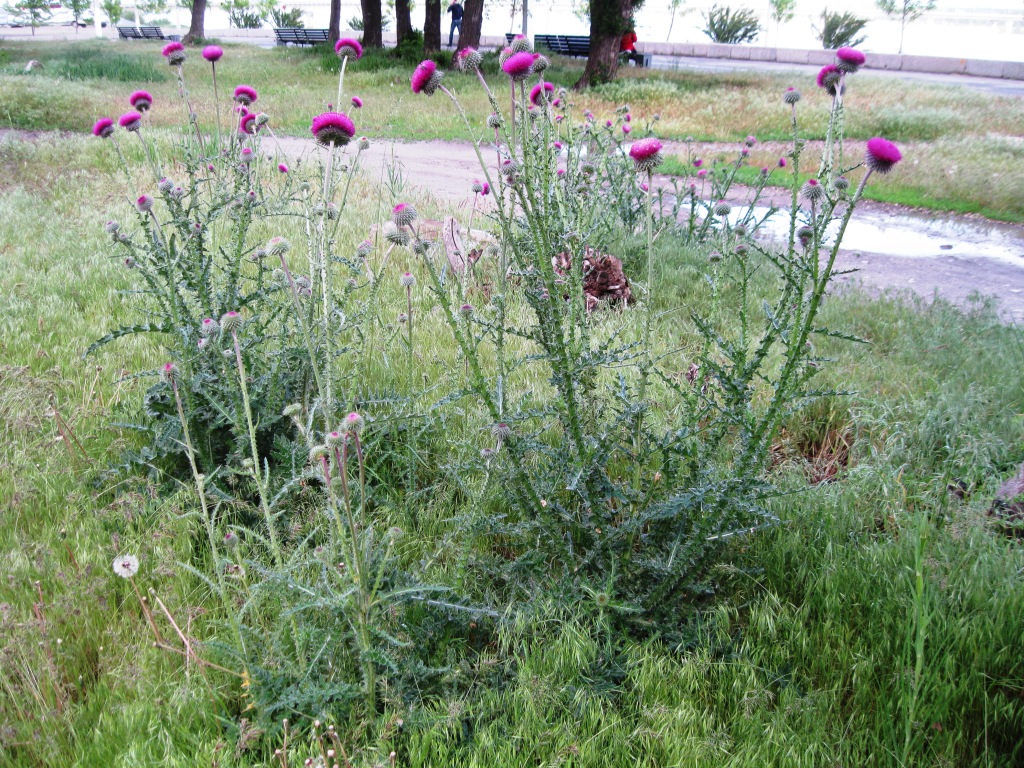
(951, 256)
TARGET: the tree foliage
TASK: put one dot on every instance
(906, 11)
(732, 27)
(840, 29)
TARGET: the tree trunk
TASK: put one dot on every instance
(334, 25)
(403, 20)
(609, 20)
(197, 28)
(432, 27)
(472, 22)
(526, 15)
(373, 36)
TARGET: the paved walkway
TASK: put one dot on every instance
(993, 85)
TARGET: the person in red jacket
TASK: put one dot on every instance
(627, 49)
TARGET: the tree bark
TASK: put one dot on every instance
(334, 25)
(403, 20)
(197, 28)
(609, 19)
(432, 26)
(472, 23)
(373, 36)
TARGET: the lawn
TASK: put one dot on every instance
(876, 622)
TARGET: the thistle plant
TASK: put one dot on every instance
(604, 495)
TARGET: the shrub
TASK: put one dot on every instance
(725, 25)
(287, 18)
(840, 29)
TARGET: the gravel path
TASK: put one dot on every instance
(952, 256)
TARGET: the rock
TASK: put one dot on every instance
(1008, 506)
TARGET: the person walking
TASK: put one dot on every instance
(456, 11)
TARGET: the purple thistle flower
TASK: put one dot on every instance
(144, 204)
(357, 103)
(332, 128)
(850, 59)
(828, 78)
(247, 124)
(540, 91)
(518, 66)
(881, 155)
(607, 123)
(646, 154)
(174, 52)
(698, 163)
(212, 53)
(626, 129)
(103, 128)
(486, 190)
(141, 100)
(425, 78)
(782, 162)
(246, 154)
(245, 95)
(130, 121)
(750, 141)
(282, 168)
(702, 173)
(347, 47)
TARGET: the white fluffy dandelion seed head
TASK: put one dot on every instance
(126, 566)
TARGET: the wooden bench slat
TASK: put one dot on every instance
(301, 36)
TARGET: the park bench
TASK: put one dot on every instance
(142, 33)
(300, 36)
(568, 45)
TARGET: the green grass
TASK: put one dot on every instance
(804, 661)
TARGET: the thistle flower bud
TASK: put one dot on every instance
(494, 120)
(318, 453)
(144, 204)
(722, 208)
(352, 424)
(466, 310)
(364, 249)
(714, 257)
(407, 280)
(363, 143)
(501, 432)
(278, 246)
(791, 96)
(168, 373)
(477, 187)
(842, 184)
(813, 191)
(403, 214)
(165, 185)
(402, 318)
(230, 322)
(209, 327)
(521, 43)
(541, 63)
(258, 255)
(805, 235)
(395, 235)
(334, 439)
(112, 227)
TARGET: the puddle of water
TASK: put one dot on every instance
(912, 236)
